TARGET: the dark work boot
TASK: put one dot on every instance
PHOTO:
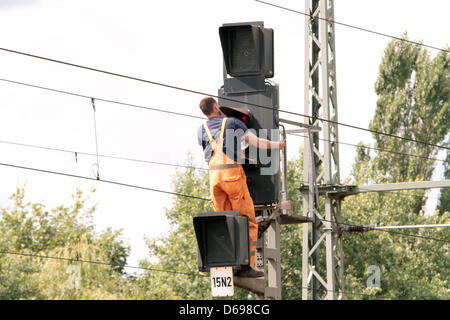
(249, 272)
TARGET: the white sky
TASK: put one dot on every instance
(173, 42)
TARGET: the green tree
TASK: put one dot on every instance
(413, 102)
(29, 232)
(176, 273)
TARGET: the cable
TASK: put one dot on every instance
(174, 193)
(146, 161)
(102, 99)
(98, 262)
(184, 166)
(191, 274)
(187, 196)
(77, 260)
(191, 116)
(101, 155)
(354, 27)
(216, 96)
(414, 226)
(373, 148)
(178, 165)
(412, 235)
(156, 190)
(105, 181)
(362, 227)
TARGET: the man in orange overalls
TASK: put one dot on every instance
(228, 183)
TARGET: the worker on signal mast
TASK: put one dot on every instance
(228, 183)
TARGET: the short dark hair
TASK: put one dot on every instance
(207, 105)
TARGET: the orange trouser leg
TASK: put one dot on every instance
(220, 199)
(249, 211)
(234, 195)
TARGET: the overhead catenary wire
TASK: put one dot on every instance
(373, 148)
(176, 194)
(413, 226)
(178, 165)
(138, 160)
(78, 260)
(353, 27)
(77, 153)
(364, 228)
(186, 115)
(190, 274)
(216, 96)
(413, 235)
(103, 99)
(104, 181)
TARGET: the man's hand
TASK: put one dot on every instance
(281, 144)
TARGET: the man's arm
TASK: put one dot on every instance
(263, 143)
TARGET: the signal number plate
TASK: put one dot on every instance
(222, 283)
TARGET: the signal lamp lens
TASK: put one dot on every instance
(245, 119)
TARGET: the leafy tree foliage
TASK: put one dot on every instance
(413, 102)
(177, 251)
(29, 232)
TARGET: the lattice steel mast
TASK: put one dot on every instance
(320, 102)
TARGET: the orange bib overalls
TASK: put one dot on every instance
(228, 185)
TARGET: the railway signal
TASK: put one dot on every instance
(248, 60)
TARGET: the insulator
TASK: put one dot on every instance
(356, 229)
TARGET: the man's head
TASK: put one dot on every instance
(209, 107)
